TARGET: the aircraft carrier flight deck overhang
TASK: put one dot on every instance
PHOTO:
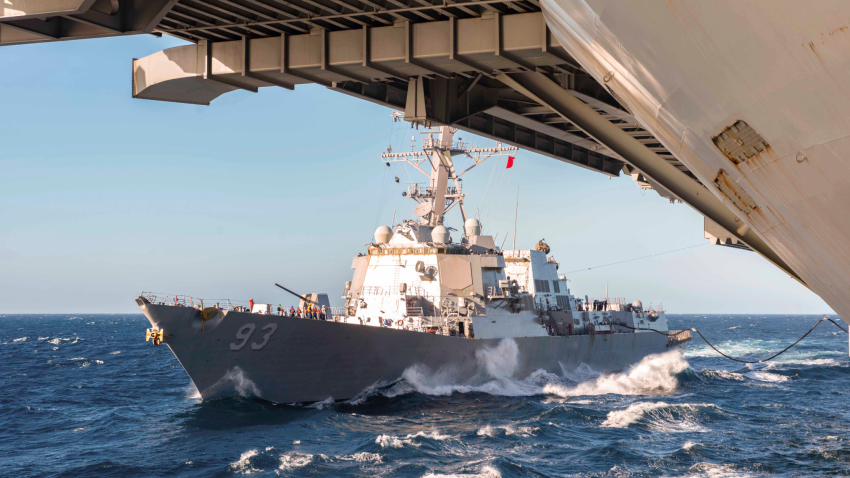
(488, 67)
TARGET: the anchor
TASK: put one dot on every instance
(207, 313)
(156, 335)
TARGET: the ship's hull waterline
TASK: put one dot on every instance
(289, 359)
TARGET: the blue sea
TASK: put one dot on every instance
(85, 395)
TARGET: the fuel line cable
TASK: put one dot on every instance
(639, 258)
(694, 329)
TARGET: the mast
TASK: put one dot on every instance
(436, 199)
(441, 162)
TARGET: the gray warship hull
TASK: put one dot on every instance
(289, 359)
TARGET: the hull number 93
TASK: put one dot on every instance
(245, 332)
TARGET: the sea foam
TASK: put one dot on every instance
(660, 416)
(653, 375)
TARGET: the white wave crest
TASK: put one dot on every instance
(293, 459)
(724, 374)
(390, 441)
(491, 431)
(734, 348)
(22, 339)
(817, 362)
(711, 470)
(243, 465)
(486, 471)
(767, 377)
(362, 457)
(236, 380)
(370, 391)
(321, 405)
(660, 416)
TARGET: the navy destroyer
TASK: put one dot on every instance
(418, 298)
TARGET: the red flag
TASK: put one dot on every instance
(510, 162)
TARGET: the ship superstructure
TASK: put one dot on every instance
(414, 276)
(418, 297)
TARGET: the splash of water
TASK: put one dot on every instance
(235, 380)
(192, 392)
(500, 361)
(653, 375)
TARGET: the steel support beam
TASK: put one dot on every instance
(209, 76)
(25, 9)
(546, 92)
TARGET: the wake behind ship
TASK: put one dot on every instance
(417, 299)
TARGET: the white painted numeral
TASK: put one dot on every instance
(271, 328)
(243, 334)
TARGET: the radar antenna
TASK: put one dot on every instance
(437, 194)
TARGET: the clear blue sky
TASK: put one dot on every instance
(103, 196)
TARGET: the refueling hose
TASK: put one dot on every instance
(694, 329)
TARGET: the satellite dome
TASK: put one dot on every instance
(637, 304)
(472, 227)
(441, 235)
(383, 234)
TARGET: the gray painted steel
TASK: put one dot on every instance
(310, 360)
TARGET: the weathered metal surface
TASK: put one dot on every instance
(730, 189)
(689, 69)
(544, 91)
(740, 142)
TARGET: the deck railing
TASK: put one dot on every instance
(189, 301)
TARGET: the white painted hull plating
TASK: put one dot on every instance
(687, 69)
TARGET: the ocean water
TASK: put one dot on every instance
(85, 395)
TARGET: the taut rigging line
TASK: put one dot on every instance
(777, 354)
(638, 258)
